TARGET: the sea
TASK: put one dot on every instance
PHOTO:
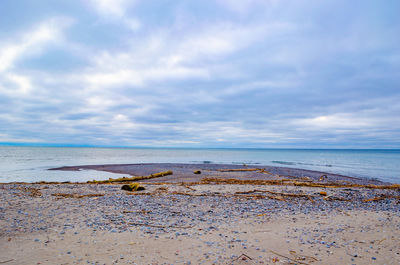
(31, 164)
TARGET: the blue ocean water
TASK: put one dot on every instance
(31, 163)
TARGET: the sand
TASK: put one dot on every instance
(174, 223)
(184, 172)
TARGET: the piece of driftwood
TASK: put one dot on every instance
(291, 259)
(160, 226)
(334, 198)
(126, 179)
(1, 262)
(243, 257)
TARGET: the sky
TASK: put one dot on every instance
(222, 73)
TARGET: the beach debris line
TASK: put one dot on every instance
(159, 226)
(132, 187)
(382, 197)
(290, 182)
(280, 195)
(33, 192)
(126, 179)
(76, 196)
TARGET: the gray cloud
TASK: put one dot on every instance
(254, 74)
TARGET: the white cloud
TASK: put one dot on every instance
(245, 6)
(116, 10)
(167, 56)
(7, 138)
(339, 121)
(31, 42)
(229, 131)
(282, 84)
(111, 7)
(24, 85)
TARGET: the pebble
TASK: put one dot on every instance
(108, 218)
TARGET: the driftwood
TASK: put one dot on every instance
(126, 179)
(243, 257)
(334, 198)
(297, 258)
(1, 262)
(160, 226)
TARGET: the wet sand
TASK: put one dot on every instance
(184, 172)
(210, 222)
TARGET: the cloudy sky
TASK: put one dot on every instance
(222, 73)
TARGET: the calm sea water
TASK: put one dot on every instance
(31, 163)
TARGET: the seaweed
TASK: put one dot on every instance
(280, 195)
(289, 182)
(382, 197)
(33, 192)
(132, 187)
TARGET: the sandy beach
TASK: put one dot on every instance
(225, 215)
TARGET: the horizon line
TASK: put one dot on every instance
(66, 145)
